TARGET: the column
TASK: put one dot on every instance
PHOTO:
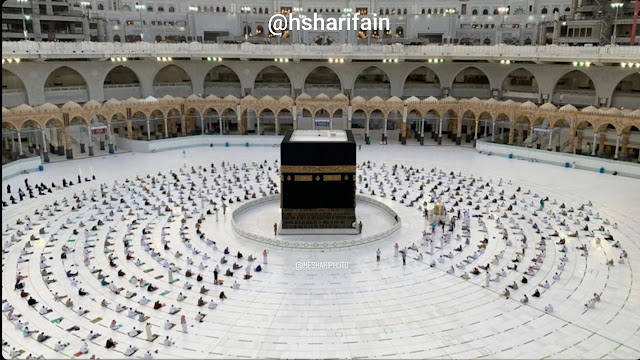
(603, 136)
(421, 137)
(52, 136)
(511, 131)
(624, 145)
(459, 130)
(278, 125)
(440, 132)
(475, 134)
(493, 131)
(148, 131)
(258, 124)
(579, 142)
(294, 114)
(384, 131)
(60, 141)
(615, 155)
(349, 117)
(90, 142)
(67, 138)
(82, 144)
(366, 133)
(403, 127)
(593, 146)
(20, 143)
(486, 129)
(45, 154)
(572, 140)
(331, 122)
(129, 129)
(202, 129)
(220, 124)
(110, 138)
(550, 138)
(183, 125)
(166, 128)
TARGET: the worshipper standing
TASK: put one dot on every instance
(378, 255)
(487, 279)
(275, 229)
(404, 258)
(264, 256)
(148, 330)
(183, 321)
(395, 248)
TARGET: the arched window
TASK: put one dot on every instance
(556, 10)
(485, 12)
(150, 8)
(405, 12)
(266, 11)
(487, 41)
(260, 11)
(217, 8)
(474, 12)
(171, 9)
(224, 9)
(116, 38)
(544, 10)
(423, 12)
(496, 12)
(567, 9)
(160, 9)
(100, 7)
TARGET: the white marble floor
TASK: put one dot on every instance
(371, 309)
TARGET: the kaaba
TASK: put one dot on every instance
(317, 181)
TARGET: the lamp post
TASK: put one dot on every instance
(139, 8)
(450, 12)
(246, 10)
(616, 6)
(24, 21)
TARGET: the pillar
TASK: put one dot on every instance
(278, 124)
(67, 138)
(294, 114)
(366, 133)
(60, 142)
(45, 154)
(403, 127)
(258, 124)
(220, 124)
(550, 138)
(20, 143)
(579, 142)
(625, 144)
(202, 129)
(384, 131)
(593, 146)
(459, 130)
(572, 140)
(52, 136)
(475, 133)
(110, 138)
(148, 131)
(440, 132)
(493, 131)
(129, 130)
(511, 131)
(615, 155)
(603, 136)
(81, 141)
(90, 142)
(183, 125)
(166, 128)
(330, 122)
(421, 138)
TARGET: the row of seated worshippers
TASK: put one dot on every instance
(42, 188)
(562, 218)
(131, 204)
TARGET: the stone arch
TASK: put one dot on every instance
(626, 94)
(172, 80)
(372, 81)
(230, 121)
(14, 92)
(64, 83)
(121, 82)
(520, 85)
(575, 87)
(422, 82)
(273, 81)
(323, 79)
(221, 81)
(471, 82)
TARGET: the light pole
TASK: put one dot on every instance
(140, 7)
(450, 12)
(246, 10)
(615, 6)
(24, 21)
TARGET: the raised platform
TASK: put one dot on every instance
(282, 231)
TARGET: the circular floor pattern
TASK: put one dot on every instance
(370, 309)
(254, 221)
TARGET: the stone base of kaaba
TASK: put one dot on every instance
(322, 218)
(350, 231)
